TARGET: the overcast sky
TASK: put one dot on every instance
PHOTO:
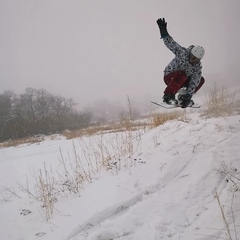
(93, 49)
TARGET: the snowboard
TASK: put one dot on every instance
(168, 106)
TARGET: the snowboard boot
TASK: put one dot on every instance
(179, 100)
(170, 99)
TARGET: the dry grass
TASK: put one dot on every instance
(220, 102)
(161, 118)
(229, 213)
(46, 185)
(226, 224)
(112, 127)
(72, 134)
(112, 151)
(17, 142)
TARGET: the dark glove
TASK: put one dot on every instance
(184, 100)
(162, 27)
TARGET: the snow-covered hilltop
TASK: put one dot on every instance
(181, 182)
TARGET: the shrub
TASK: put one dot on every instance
(219, 102)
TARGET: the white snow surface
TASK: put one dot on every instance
(165, 190)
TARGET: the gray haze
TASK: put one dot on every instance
(104, 49)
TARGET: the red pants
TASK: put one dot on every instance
(177, 80)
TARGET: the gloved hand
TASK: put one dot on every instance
(184, 100)
(162, 27)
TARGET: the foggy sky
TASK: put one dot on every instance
(91, 49)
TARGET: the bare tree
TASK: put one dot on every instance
(6, 108)
(38, 112)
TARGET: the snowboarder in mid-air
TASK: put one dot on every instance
(183, 72)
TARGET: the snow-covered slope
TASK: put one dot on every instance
(168, 192)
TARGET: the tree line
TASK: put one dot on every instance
(37, 111)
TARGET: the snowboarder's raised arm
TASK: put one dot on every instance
(167, 39)
(173, 45)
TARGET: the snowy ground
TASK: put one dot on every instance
(166, 190)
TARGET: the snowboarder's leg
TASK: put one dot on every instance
(202, 80)
(174, 81)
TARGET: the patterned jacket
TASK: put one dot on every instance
(181, 63)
